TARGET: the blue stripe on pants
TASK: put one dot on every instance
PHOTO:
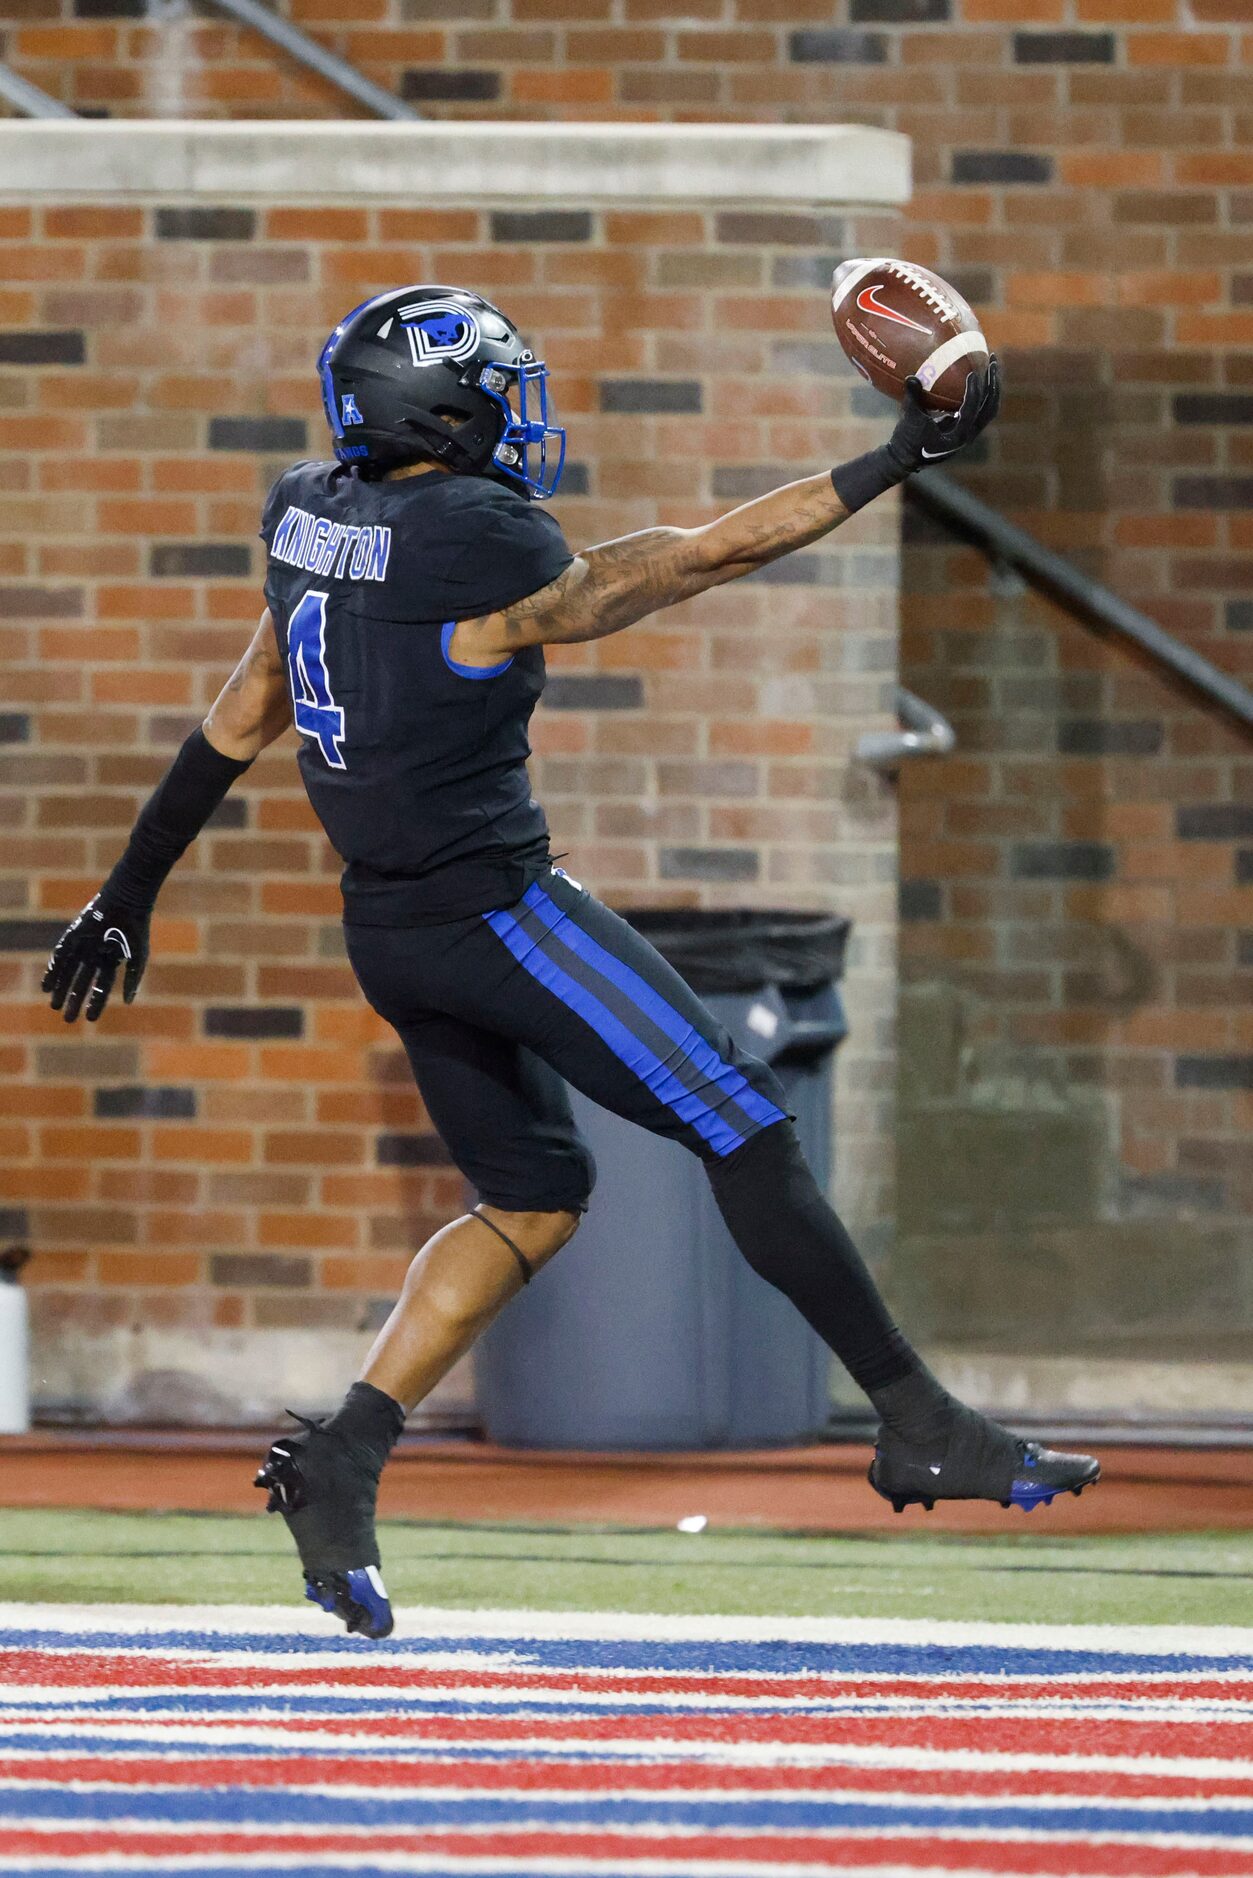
(628, 1049)
(695, 1048)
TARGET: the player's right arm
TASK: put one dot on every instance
(111, 932)
(609, 587)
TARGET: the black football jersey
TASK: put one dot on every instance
(415, 765)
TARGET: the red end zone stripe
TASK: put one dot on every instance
(1031, 1734)
(1071, 1858)
(88, 1670)
(465, 1776)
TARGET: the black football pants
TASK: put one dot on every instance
(499, 1011)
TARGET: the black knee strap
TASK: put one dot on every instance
(524, 1264)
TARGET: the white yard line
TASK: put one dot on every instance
(594, 1626)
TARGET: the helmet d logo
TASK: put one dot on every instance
(440, 334)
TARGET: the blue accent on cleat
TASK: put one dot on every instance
(1029, 1494)
(358, 1598)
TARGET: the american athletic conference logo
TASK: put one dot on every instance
(440, 332)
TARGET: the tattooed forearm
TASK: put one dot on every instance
(605, 589)
(612, 586)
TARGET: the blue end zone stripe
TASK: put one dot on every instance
(928, 1661)
(651, 1002)
(628, 1049)
(87, 1805)
(266, 1704)
(714, 1657)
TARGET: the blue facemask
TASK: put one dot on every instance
(531, 451)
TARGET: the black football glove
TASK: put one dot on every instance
(921, 438)
(86, 958)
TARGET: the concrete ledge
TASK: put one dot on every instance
(1137, 1391)
(804, 166)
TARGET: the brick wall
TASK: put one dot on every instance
(241, 1153)
(1078, 882)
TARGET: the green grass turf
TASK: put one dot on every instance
(172, 1558)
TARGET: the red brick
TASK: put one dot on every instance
(430, 225)
(665, 228)
(586, 87)
(723, 48)
(1113, 169)
(1019, 12)
(148, 1268)
(204, 1146)
(1176, 49)
(1057, 290)
(370, 1107)
(89, 1144)
(34, 1101)
(91, 222)
(378, 45)
(314, 1148)
(147, 1186)
(1221, 168)
(1131, 12)
(66, 42)
(45, 1183)
(1165, 288)
(306, 1229)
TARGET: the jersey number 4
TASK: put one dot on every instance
(314, 709)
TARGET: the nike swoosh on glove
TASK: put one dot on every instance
(87, 957)
(921, 437)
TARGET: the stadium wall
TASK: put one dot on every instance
(224, 1182)
(1077, 937)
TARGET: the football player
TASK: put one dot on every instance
(412, 584)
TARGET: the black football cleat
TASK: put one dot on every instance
(326, 1491)
(979, 1460)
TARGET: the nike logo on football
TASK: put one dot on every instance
(869, 303)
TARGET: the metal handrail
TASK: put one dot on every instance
(28, 98)
(924, 732)
(1093, 605)
(326, 64)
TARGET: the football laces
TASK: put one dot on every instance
(913, 277)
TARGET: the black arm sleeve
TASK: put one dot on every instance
(858, 482)
(195, 784)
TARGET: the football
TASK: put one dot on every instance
(896, 320)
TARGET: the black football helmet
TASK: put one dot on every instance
(438, 372)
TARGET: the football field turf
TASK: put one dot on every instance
(592, 1702)
(154, 1558)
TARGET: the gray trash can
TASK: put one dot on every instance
(650, 1330)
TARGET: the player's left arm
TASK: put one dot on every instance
(111, 932)
(609, 587)
(254, 705)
